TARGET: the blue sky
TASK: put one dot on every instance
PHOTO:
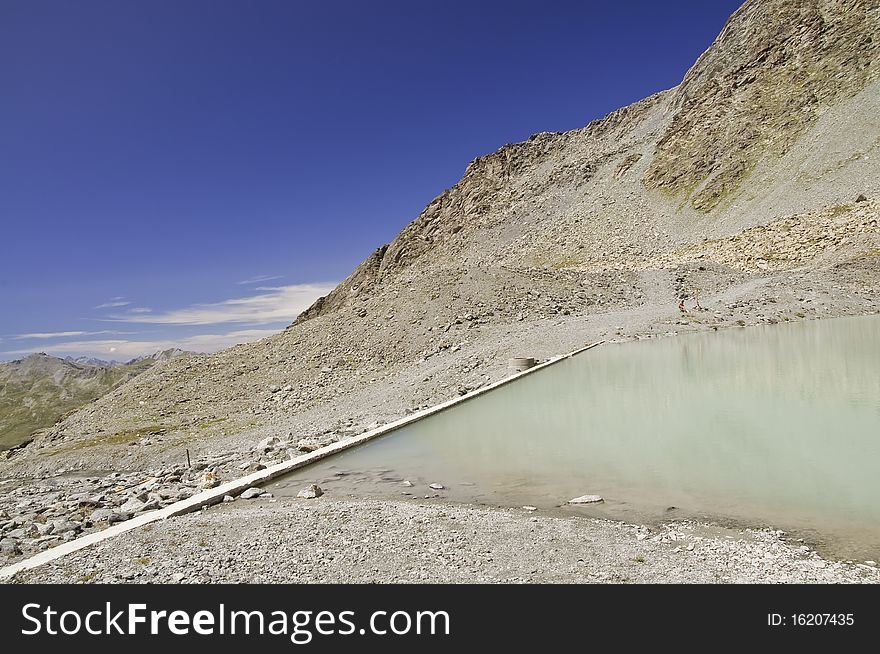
(195, 173)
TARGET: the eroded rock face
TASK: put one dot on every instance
(777, 65)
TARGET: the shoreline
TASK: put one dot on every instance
(328, 540)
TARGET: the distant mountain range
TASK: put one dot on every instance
(92, 361)
(162, 355)
(38, 390)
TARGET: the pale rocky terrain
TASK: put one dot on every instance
(752, 186)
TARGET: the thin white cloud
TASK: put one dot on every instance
(115, 302)
(280, 304)
(123, 349)
(140, 310)
(47, 335)
(258, 279)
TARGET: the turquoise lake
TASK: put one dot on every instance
(769, 426)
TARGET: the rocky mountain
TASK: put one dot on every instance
(92, 361)
(39, 389)
(162, 355)
(753, 184)
(774, 71)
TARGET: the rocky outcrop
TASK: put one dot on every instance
(775, 67)
(491, 185)
(361, 280)
(790, 242)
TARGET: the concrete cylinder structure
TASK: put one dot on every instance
(522, 363)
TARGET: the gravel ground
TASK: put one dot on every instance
(368, 541)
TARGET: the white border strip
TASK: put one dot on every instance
(215, 495)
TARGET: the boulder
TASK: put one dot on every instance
(310, 492)
(586, 499)
(107, 515)
(61, 527)
(132, 506)
(209, 480)
(268, 444)
(45, 529)
(9, 547)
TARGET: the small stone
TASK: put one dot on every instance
(407, 483)
(311, 492)
(228, 498)
(586, 499)
(528, 507)
(436, 486)
(251, 493)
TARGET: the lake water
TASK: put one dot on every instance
(772, 426)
